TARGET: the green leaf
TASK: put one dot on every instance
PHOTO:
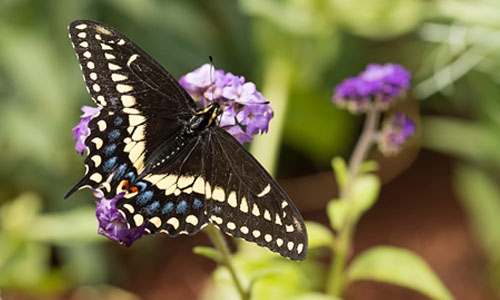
(400, 267)
(315, 296)
(336, 210)
(368, 166)
(479, 195)
(319, 235)
(54, 227)
(208, 252)
(364, 192)
(339, 167)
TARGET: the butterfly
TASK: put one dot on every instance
(176, 168)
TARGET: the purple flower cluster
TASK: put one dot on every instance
(376, 87)
(82, 131)
(113, 225)
(245, 111)
(396, 130)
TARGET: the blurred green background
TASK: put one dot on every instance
(295, 51)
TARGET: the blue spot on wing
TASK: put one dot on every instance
(197, 204)
(144, 197)
(168, 208)
(130, 176)
(109, 164)
(153, 207)
(108, 150)
(120, 170)
(216, 209)
(141, 185)
(113, 135)
(181, 207)
(118, 121)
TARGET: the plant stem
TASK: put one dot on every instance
(220, 244)
(343, 241)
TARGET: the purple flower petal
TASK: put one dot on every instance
(396, 130)
(113, 225)
(378, 85)
(243, 105)
(239, 134)
(82, 131)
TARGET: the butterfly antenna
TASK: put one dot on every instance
(212, 70)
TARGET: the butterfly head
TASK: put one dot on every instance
(205, 117)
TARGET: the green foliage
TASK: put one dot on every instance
(479, 195)
(397, 266)
(297, 50)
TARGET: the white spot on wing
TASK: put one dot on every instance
(244, 204)
(156, 221)
(124, 88)
(132, 58)
(84, 44)
(102, 125)
(113, 67)
(81, 26)
(255, 210)
(199, 185)
(96, 88)
(267, 215)
(232, 200)
(109, 55)
(139, 132)
(128, 100)
(185, 181)
(174, 222)
(244, 230)
(116, 77)
(265, 191)
(135, 120)
(231, 225)
(218, 194)
(138, 220)
(106, 47)
(290, 245)
(97, 142)
(97, 160)
(129, 207)
(268, 238)
(82, 34)
(192, 219)
(300, 248)
(96, 177)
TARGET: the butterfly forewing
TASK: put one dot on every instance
(174, 178)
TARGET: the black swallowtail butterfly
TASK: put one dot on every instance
(178, 169)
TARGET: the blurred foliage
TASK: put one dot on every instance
(296, 49)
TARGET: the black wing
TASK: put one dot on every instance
(142, 104)
(175, 184)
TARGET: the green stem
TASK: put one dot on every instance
(220, 244)
(275, 88)
(343, 242)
